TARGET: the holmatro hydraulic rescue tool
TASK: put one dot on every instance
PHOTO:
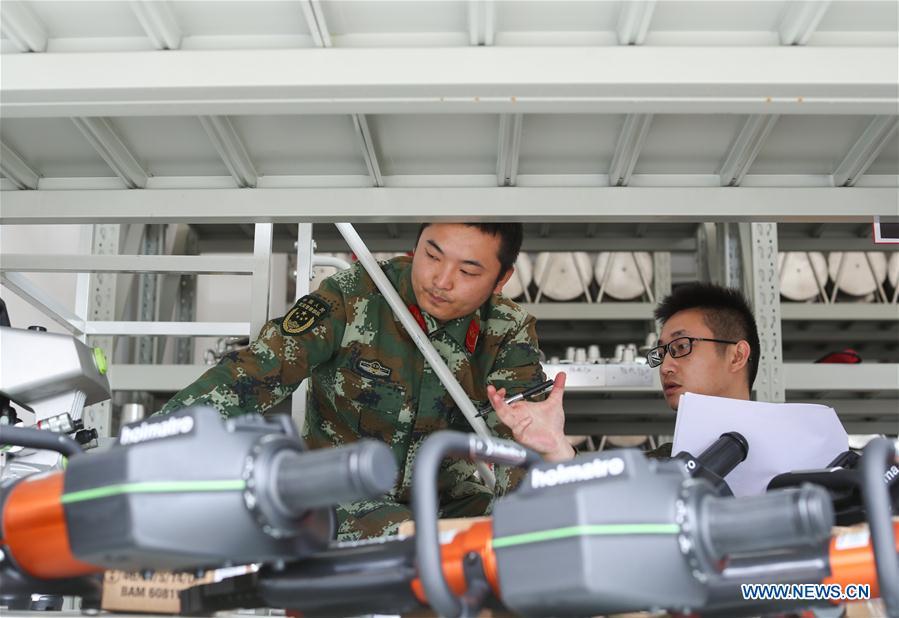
(179, 492)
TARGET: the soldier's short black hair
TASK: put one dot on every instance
(725, 310)
(510, 235)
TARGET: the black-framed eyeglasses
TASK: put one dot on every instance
(677, 348)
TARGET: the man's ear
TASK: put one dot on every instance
(503, 280)
(741, 356)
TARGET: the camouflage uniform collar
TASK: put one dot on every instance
(399, 271)
(465, 330)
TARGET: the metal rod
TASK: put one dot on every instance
(808, 256)
(549, 262)
(434, 359)
(527, 292)
(605, 275)
(643, 281)
(836, 280)
(877, 281)
(581, 279)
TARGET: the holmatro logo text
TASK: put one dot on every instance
(154, 431)
(572, 473)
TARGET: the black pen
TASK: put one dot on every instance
(525, 394)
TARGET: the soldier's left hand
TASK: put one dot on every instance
(537, 425)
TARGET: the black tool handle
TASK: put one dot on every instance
(324, 477)
(790, 518)
(725, 453)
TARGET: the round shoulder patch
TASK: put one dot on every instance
(304, 314)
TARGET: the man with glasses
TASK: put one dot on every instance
(709, 345)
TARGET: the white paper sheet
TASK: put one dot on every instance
(782, 437)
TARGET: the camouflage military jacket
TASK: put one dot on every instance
(367, 377)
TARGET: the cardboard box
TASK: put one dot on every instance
(156, 593)
(460, 524)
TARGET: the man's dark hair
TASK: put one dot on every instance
(510, 237)
(725, 310)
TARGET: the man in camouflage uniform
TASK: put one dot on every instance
(367, 378)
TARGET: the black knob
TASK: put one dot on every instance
(40, 329)
(86, 436)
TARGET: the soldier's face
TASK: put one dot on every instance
(455, 269)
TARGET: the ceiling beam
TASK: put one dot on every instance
(508, 149)
(159, 23)
(231, 149)
(481, 22)
(633, 21)
(315, 20)
(369, 154)
(745, 149)
(16, 169)
(100, 134)
(321, 35)
(865, 150)
(23, 28)
(370, 205)
(800, 19)
(627, 150)
(590, 80)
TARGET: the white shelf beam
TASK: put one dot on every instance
(800, 19)
(159, 23)
(508, 149)
(583, 204)
(865, 150)
(590, 311)
(839, 312)
(627, 150)
(175, 264)
(103, 138)
(833, 243)
(174, 329)
(154, 378)
(405, 181)
(832, 377)
(633, 21)
(230, 149)
(16, 169)
(745, 149)
(23, 28)
(624, 79)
